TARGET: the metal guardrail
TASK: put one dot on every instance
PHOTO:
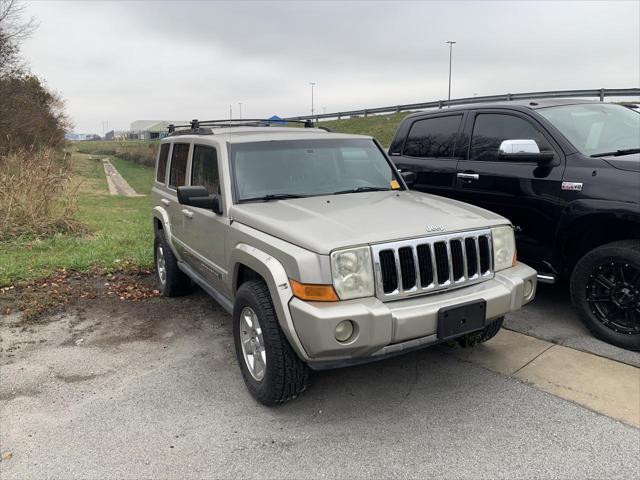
(600, 93)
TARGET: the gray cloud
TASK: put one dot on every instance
(123, 61)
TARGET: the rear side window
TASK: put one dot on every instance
(433, 137)
(491, 129)
(178, 169)
(204, 168)
(162, 162)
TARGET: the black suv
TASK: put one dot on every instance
(567, 175)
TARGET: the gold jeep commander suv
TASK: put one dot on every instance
(314, 244)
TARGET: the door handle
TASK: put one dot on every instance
(165, 201)
(468, 176)
(187, 213)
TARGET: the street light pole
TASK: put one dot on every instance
(240, 108)
(312, 85)
(450, 55)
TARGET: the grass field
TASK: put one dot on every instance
(120, 230)
(381, 127)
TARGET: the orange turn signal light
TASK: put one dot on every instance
(313, 292)
(515, 259)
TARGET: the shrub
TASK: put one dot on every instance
(36, 194)
(135, 151)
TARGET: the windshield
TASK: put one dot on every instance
(595, 129)
(300, 168)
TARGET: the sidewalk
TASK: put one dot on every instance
(603, 385)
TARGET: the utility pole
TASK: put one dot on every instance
(240, 108)
(450, 56)
(230, 112)
(312, 85)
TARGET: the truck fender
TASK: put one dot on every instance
(162, 215)
(277, 280)
(591, 210)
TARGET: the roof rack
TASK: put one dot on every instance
(196, 126)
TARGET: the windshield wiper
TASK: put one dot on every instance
(274, 196)
(617, 153)
(362, 189)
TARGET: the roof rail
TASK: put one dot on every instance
(195, 126)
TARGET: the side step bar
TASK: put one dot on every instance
(547, 278)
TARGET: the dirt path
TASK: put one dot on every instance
(117, 184)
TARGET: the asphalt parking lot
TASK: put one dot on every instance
(152, 389)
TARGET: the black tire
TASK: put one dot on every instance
(285, 375)
(481, 336)
(605, 290)
(175, 282)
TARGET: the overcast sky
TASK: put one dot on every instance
(124, 61)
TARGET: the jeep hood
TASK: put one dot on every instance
(630, 163)
(322, 224)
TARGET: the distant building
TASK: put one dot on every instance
(75, 137)
(152, 129)
(109, 135)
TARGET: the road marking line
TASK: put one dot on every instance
(600, 384)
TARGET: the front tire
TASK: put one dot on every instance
(271, 370)
(172, 281)
(605, 289)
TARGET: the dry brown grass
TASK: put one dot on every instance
(37, 197)
(140, 152)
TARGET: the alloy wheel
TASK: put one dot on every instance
(252, 341)
(613, 294)
(161, 265)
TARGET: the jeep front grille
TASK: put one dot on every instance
(430, 264)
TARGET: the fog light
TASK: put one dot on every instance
(528, 288)
(344, 330)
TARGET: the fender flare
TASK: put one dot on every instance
(277, 281)
(161, 214)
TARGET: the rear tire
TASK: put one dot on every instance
(172, 281)
(605, 290)
(481, 336)
(280, 375)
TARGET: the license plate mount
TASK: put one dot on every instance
(461, 319)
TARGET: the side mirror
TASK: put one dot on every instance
(523, 151)
(408, 177)
(199, 197)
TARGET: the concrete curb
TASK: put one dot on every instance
(600, 384)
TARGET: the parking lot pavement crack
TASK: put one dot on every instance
(533, 359)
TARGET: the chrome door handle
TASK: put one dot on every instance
(468, 176)
(165, 201)
(187, 213)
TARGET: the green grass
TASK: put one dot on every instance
(119, 229)
(381, 127)
(140, 177)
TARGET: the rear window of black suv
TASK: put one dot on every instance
(433, 137)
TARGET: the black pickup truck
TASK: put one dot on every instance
(567, 175)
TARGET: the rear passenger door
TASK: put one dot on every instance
(429, 150)
(205, 230)
(522, 191)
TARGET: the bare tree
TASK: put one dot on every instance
(14, 29)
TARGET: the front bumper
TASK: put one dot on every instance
(390, 327)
